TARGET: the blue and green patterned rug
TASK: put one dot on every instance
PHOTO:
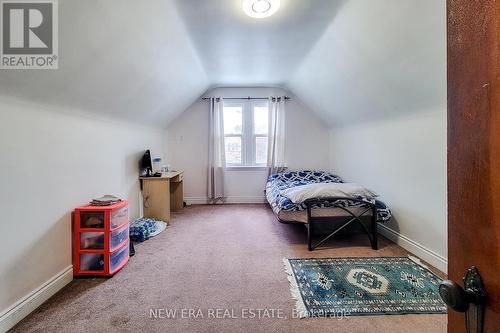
(324, 287)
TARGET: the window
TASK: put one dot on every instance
(233, 134)
(260, 129)
(246, 133)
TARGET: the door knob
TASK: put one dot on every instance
(470, 300)
(454, 296)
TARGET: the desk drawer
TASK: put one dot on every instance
(177, 179)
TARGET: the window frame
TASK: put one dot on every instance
(255, 135)
(241, 136)
(248, 136)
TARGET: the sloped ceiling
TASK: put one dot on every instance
(378, 58)
(348, 60)
(123, 58)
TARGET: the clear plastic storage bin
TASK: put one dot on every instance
(117, 258)
(90, 219)
(118, 237)
(119, 217)
(92, 240)
(92, 262)
(100, 239)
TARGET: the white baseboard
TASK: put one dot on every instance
(417, 249)
(196, 200)
(243, 199)
(246, 200)
(33, 300)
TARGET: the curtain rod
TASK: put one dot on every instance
(246, 98)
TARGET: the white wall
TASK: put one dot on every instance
(52, 162)
(307, 146)
(404, 160)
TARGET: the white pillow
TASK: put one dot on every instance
(301, 193)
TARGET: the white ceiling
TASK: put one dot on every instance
(238, 50)
(349, 60)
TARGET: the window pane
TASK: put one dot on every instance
(233, 119)
(261, 150)
(260, 119)
(233, 150)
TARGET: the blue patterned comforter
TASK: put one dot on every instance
(280, 181)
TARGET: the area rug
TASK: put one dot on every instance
(327, 287)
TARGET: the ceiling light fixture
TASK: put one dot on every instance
(260, 8)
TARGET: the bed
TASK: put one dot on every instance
(317, 212)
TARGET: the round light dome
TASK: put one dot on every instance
(260, 8)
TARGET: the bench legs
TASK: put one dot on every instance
(309, 237)
(374, 236)
(372, 232)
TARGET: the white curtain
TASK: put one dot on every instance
(216, 158)
(276, 145)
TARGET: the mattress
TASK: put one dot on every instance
(286, 210)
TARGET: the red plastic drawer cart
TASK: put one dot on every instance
(100, 239)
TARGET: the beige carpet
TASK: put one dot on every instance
(223, 257)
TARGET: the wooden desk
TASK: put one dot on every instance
(162, 194)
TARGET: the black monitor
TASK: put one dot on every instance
(146, 165)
